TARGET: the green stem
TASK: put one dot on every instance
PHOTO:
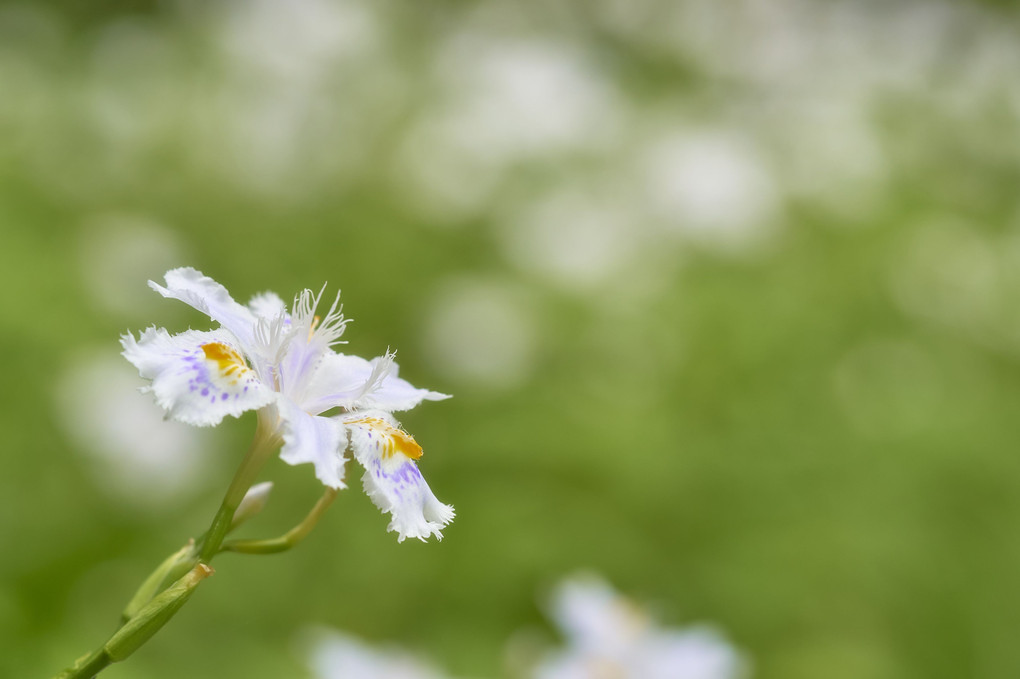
(154, 615)
(182, 561)
(157, 599)
(288, 539)
(262, 448)
(139, 629)
(173, 567)
(87, 666)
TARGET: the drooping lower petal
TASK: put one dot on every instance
(320, 441)
(203, 293)
(392, 479)
(197, 377)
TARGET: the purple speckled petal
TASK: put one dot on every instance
(392, 479)
(189, 384)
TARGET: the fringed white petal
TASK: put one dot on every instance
(327, 328)
(271, 333)
(309, 339)
(394, 393)
(317, 440)
(392, 479)
(197, 377)
(203, 293)
(352, 382)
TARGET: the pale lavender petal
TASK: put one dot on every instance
(316, 440)
(339, 381)
(203, 293)
(352, 382)
(197, 377)
(395, 394)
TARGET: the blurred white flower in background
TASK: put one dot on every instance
(135, 454)
(575, 238)
(296, 100)
(132, 249)
(829, 153)
(950, 273)
(496, 102)
(712, 186)
(437, 180)
(608, 637)
(132, 74)
(511, 99)
(299, 39)
(338, 656)
(481, 332)
(798, 46)
(302, 90)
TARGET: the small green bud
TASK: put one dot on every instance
(253, 502)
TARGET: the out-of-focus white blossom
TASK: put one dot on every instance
(712, 186)
(609, 637)
(137, 455)
(339, 656)
(482, 332)
(132, 248)
(576, 238)
(501, 102)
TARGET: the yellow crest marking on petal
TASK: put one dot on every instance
(393, 439)
(228, 361)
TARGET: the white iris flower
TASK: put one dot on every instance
(282, 365)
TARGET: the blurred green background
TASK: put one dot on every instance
(727, 294)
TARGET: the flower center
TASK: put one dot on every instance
(392, 439)
(228, 361)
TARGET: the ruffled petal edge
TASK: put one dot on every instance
(392, 480)
(197, 377)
